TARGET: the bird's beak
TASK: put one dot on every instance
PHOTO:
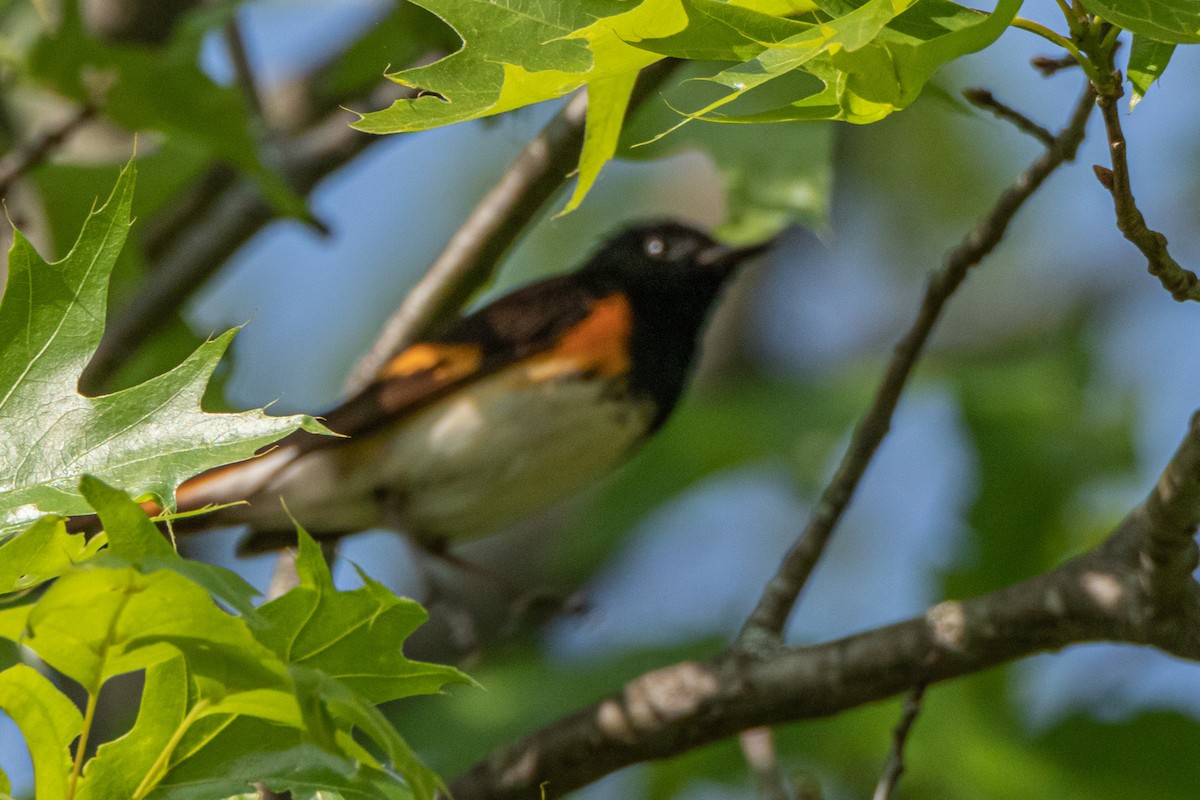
(727, 257)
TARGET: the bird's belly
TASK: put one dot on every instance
(484, 458)
(470, 463)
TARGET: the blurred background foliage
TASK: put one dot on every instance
(1053, 393)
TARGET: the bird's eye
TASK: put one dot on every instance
(655, 247)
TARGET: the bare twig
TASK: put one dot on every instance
(493, 226)
(1181, 282)
(235, 41)
(1106, 594)
(986, 100)
(758, 748)
(32, 155)
(765, 625)
(895, 763)
(1050, 66)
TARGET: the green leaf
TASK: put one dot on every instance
(874, 60)
(317, 627)
(1170, 21)
(146, 439)
(135, 540)
(43, 552)
(49, 722)
(97, 622)
(608, 100)
(348, 711)
(518, 53)
(404, 35)
(225, 757)
(119, 766)
(805, 43)
(783, 177)
(1148, 61)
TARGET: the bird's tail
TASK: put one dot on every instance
(221, 486)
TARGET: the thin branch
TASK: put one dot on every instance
(765, 625)
(895, 763)
(986, 100)
(195, 250)
(1181, 282)
(1106, 594)
(475, 250)
(235, 42)
(758, 748)
(1048, 65)
(33, 154)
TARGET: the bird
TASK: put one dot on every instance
(513, 407)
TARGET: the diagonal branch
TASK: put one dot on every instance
(20, 162)
(190, 253)
(895, 763)
(1106, 594)
(765, 625)
(1181, 282)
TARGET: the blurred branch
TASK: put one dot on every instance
(1182, 283)
(493, 226)
(986, 100)
(1048, 65)
(145, 21)
(758, 748)
(235, 42)
(206, 229)
(1118, 592)
(764, 627)
(895, 763)
(19, 162)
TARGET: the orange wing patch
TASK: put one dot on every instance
(600, 343)
(446, 361)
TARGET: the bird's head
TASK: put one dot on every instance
(667, 257)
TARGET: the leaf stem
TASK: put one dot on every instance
(89, 717)
(1047, 34)
(1110, 38)
(159, 767)
(1067, 12)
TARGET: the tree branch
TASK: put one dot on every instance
(1107, 594)
(986, 100)
(1182, 283)
(895, 763)
(20, 162)
(475, 250)
(765, 625)
(201, 244)
(239, 56)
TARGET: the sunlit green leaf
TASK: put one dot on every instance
(43, 552)
(97, 622)
(1172, 21)
(120, 766)
(1148, 61)
(226, 757)
(48, 720)
(146, 439)
(134, 539)
(318, 627)
(873, 60)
